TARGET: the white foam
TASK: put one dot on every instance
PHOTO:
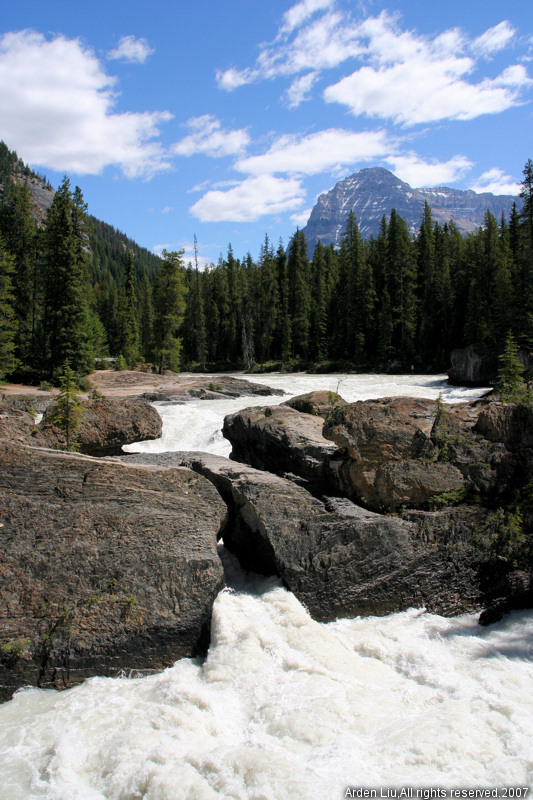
(285, 707)
(198, 425)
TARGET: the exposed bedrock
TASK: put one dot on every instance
(465, 471)
(284, 441)
(104, 567)
(385, 454)
(339, 559)
(106, 424)
(471, 366)
(406, 452)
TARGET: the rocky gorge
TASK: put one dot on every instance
(109, 564)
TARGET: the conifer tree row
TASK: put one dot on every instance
(74, 289)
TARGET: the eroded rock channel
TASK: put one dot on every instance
(110, 565)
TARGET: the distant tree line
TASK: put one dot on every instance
(75, 289)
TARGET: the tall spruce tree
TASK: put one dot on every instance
(268, 300)
(8, 319)
(169, 309)
(319, 304)
(401, 280)
(284, 323)
(425, 246)
(444, 301)
(129, 346)
(526, 267)
(146, 317)
(66, 323)
(299, 294)
(20, 237)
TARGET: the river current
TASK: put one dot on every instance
(283, 707)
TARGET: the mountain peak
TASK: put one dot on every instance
(375, 191)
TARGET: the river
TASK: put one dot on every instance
(283, 707)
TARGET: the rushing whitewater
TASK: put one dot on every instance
(198, 425)
(285, 707)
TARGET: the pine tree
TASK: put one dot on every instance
(299, 294)
(510, 383)
(200, 343)
(284, 323)
(401, 279)
(319, 304)
(425, 246)
(146, 318)
(444, 301)
(377, 260)
(268, 300)
(169, 308)
(66, 323)
(8, 319)
(503, 308)
(129, 329)
(67, 411)
(526, 257)
(20, 237)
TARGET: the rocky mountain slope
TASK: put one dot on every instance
(371, 193)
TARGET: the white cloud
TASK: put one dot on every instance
(131, 49)
(250, 200)
(209, 138)
(402, 76)
(413, 79)
(318, 152)
(322, 44)
(494, 39)
(167, 209)
(419, 173)
(427, 87)
(299, 89)
(57, 110)
(231, 78)
(496, 181)
(301, 12)
(301, 218)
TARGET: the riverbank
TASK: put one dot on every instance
(175, 387)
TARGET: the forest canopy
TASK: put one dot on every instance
(73, 289)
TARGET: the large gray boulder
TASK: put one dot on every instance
(281, 440)
(402, 451)
(105, 568)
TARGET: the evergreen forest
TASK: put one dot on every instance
(74, 290)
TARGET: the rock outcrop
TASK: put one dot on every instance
(338, 558)
(399, 454)
(473, 366)
(386, 454)
(105, 568)
(318, 403)
(281, 440)
(176, 387)
(106, 424)
(405, 452)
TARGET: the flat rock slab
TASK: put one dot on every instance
(105, 567)
(175, 387)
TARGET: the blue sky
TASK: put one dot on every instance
(226, 120)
